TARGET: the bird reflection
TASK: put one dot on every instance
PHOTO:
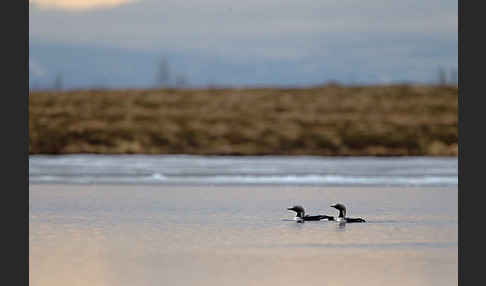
(341, 225)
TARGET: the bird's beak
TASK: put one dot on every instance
(290, 209)
(333, 206)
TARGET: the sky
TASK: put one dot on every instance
(126, 43)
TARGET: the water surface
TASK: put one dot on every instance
(247, 170)
(161, 234)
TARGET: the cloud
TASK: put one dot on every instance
(78, 5)
(272, 29)
(313, 38)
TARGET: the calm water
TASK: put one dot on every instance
(266, 170)
(240, 234)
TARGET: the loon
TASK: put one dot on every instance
(301, 216)
(342, 214)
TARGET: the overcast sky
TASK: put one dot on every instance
(120, 43)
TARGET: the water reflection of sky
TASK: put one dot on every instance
(153, 235)
(122, 42)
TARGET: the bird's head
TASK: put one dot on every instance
(341, 208)
(298, 209)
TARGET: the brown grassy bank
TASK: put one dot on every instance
(329, 120)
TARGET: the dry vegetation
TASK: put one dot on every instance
(329, 120)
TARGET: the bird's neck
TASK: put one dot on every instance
(342, 213)
(300, 214)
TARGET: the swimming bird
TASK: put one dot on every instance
(301, 216)
(342, 214)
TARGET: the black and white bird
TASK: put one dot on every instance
(301, 216)
(342, 214)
